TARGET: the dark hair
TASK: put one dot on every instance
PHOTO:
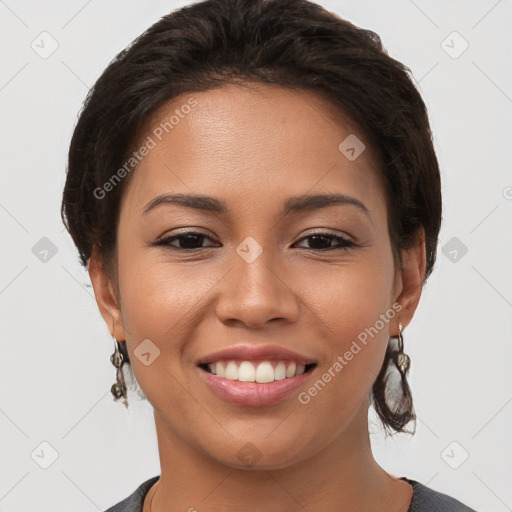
(295, 44)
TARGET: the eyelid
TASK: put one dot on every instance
(327, 231)
(198, 231)
(168, 237)
(189, 230)
(343, 242)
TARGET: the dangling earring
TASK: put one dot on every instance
(118, 389)
(402, 359)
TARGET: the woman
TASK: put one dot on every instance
(253, 189)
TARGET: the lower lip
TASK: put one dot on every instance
(254, 394)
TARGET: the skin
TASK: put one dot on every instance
(253, 147)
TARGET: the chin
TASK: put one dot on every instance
(259, 453)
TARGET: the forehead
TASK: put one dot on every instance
(242, 141)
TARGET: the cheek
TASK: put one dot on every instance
(348, 299)
(158, 298)
(352, 305)
(159, 304)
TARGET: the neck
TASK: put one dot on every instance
(342, 476)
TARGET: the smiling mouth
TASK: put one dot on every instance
(259, 371)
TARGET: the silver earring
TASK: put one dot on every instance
(118, 389)
(402, 359)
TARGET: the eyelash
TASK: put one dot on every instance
(345, 243)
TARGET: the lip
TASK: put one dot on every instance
(256, 353)
(253, 394)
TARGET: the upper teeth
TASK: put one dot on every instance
(261, 372)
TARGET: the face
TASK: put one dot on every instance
(256, 266)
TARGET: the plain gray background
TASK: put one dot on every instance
(55, 373)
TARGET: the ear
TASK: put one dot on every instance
(411, 280)
(105, 296)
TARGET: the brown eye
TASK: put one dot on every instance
(185, 241)
(322, 241)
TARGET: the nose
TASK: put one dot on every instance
(255, 293)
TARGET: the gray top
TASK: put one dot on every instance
(424, 499)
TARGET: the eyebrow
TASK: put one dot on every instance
(292, 204)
